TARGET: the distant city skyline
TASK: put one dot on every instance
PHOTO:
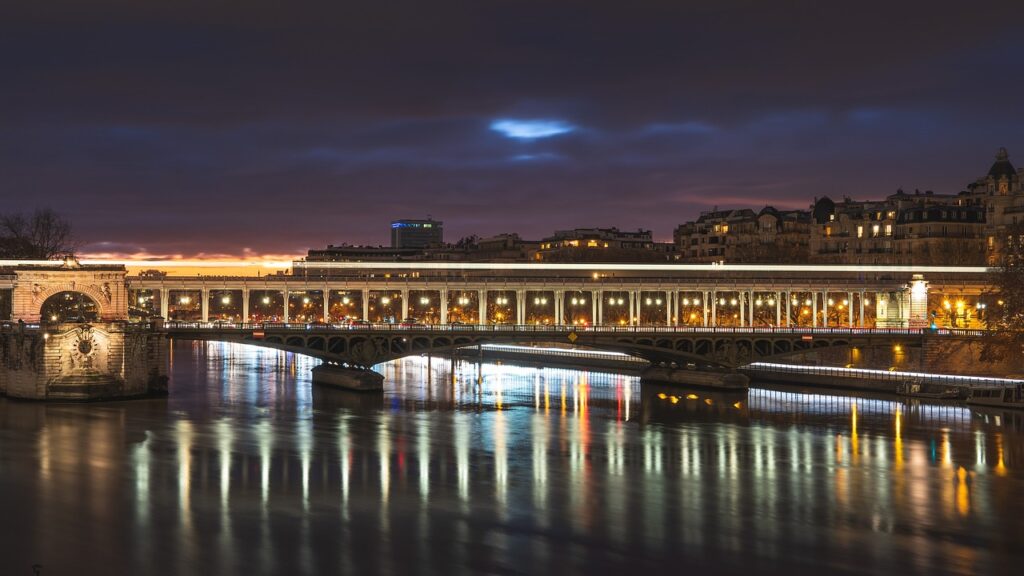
(169, 131)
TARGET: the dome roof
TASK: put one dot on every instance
(822, 208)
(1002, 166)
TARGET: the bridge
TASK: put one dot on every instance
(357, 347)
(355, 315)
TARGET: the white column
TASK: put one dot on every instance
(861, 308)
(366, 303)
(557, 307)
(751, 300)
(405, 304)
(814, 310)
(245, 304)
(789, 308)
(284, 294)
(206, 304)
(824, 307)
(674, 309)
(481, 298)
(916, 303)
(704, 307)
(633, 295)
(778, 308)
(165, 304)
(443, 306)
(668, 308)
(714, 308)
(849, 307)
(743, 316)
(595, 308)
(327, 304)
(520, 307)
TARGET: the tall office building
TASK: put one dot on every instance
(416, 233)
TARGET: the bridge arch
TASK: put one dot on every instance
(367, 349)
(69, 306)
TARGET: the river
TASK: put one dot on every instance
(245, 468)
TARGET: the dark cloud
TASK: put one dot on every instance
(206, 127)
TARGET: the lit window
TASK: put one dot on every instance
(888, 229)
(860, 231)
(875, 230)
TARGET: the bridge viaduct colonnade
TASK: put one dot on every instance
(552, 294)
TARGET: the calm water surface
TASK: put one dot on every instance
(247, 469)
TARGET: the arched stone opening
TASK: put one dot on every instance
(69, 306)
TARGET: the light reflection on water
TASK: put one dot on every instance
(463, 468)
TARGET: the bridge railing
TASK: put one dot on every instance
(15, 326)
(561, 329)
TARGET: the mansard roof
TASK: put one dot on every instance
(1002, 167)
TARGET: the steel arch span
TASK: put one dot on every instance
(362, 347)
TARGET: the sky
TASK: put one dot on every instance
(201, 128)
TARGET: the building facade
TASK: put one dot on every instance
(604, 245)
(745, 236)
(969, 228)
(416, 233)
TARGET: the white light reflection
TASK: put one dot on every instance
(423, 449)
(345, 462)
(384, 457)
(500, 463)
(540, 431)
(462, 457)
(616, 487)
(979, 451)
(141, 463)
(305, 441)
(225, 437)
(265, 439)
(184, 441)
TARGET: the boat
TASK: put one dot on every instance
(1009, 396)
(919, 389)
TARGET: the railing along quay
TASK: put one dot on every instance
(895, 376)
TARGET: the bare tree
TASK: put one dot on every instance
(1004, 302)
(952, 252)
(41, 235)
